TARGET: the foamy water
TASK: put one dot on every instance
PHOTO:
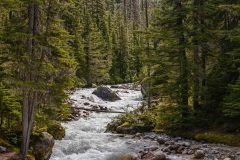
(85, 139)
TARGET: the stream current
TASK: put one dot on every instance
(86, 138)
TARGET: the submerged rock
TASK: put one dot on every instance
(42, 146)
(106, 94)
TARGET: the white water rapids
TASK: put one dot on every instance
(85, 138)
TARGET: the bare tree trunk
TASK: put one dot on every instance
(29, 96)
(195, 57)
(204, 77)
(125, 10)
(203, 59)
(184, 87)
(148, 55)
(87, 58)
(135, 11)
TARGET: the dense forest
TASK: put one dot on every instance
(184, 53)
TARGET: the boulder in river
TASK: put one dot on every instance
(157, 155)
(131, 156)
(106, 94)
(42, 146)
(199, 154)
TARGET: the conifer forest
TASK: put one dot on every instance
(119, 79)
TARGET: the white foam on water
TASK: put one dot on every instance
(85, 138)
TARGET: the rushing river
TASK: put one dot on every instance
(86, 138)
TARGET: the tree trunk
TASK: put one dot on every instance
(125, 10)
(195, 56)
(184, 87)
(204, 97)
(1, 113)
(148, 56)
(88, 66)
(29, 96)
(203, 59)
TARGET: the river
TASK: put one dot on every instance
(86, 138)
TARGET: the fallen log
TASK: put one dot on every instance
(97, 110)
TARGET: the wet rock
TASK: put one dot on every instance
(106, 94)
(91, 99)
(177, 139)
(151, 148)
(190, 152)
(115, 86)
(149, 136)
(184, 144)
(199, 154)
(86, 104)
(94, 107)
(131, 156)
(185, 151)
(103, 108)
(3, 149)
(42, 146)
(157, 155)
(180, 149)
(138, 134)
(161, 140)
(169, 143)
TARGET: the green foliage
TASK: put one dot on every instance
(214, 137)
(56, 130)
(231, 103)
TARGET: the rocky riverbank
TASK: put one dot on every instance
(165, 146)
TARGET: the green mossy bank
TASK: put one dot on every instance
(136, 122)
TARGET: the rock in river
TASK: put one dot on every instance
(106, 94)
(131, 156)
(199, 154)
(42, 146)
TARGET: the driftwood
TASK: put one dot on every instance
(97, 110)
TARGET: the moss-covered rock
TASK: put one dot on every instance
(42, 146)
(56, 130)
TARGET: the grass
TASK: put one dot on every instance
(215, 137)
